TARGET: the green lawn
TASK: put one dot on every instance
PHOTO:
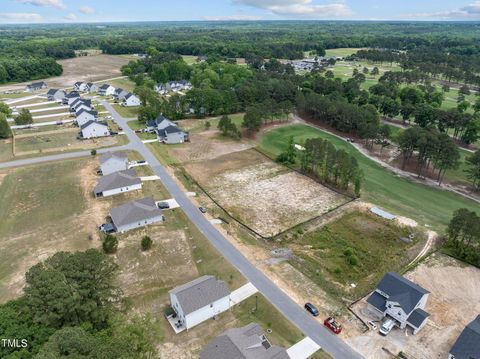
(356, 248)
(425, 204)
(126, 112)
(341, 52)
(189, 59)
(125, 84)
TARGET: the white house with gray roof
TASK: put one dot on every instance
(199, 300)
(167, 131)
(106, 90)
(399, 298)
(80, 86)
(83, 116)
(248, 342)
(117, 182)
(56, 95)
(467, 345)
(91, 87)
(36, 86)
(135, 214)
(131, 100)
(94, 129)
(119, 94)
(112, 162)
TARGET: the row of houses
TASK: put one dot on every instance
(173, 86)
(118, 178)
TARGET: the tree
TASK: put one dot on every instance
(146, 243)
(72, 288)
(5, 131)
(288, 156)
(24, 117)
(110, 244)
(446, 157)
(473, 169)
(375, 71)
(207, 125)
(252, 120)
(5, 109)
(407, 142)
(93, 152)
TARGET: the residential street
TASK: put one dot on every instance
(297, 315)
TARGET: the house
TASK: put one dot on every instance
(135, 214)
(106, 90)
(117, 182)
(120, 94)
(83, 116)
(131, 100)
(202, 58)
(80, 86)
(398, 298)
(80, 104)
(112, 162)
(172, 135)
(173, 86)
(467, 345)
(70, 98)
(56, 95)
(166, 130)
(93, 129)
(248, 342)
(36, 86)
(91, 87)
(199, 300)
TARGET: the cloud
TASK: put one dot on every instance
(20, 17)
(59, 4)
(70, 17)
(299, 8)
(231, 18)
(87, 10)
(469, 12)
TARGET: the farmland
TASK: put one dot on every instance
(429, 206)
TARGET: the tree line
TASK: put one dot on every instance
(71, 307)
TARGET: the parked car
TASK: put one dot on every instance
(387, 326)
(312, 309)
(333, 325)
(163, 205)
(202, 209)
(141, 162)
(107, 228)
(372, 324)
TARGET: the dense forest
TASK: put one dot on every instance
(452, 45)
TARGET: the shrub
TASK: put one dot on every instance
(353, 260)
(348, 252)
(338, 270)
(146, 243)
(110, 244)
(93, 152)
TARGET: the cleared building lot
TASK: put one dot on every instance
(453, 303)
(268, 197)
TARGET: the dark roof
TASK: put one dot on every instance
(94, 113)
(401, 290)
(73, 94)
(172, 129)
(37, 84)
(199, 293)
(104, 87)
(467, 345)
(117, 180)
(417, 317)
(90, 122)
(90, 84)
(52, 91)
(157, 121)
(128, 95)
(378, 301)
(247, 342)
(135, 211)
(78, 83)
(107, 156)
(118, 90)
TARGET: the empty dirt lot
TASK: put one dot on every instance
(452, 304)
(268, 197)
(86, 68)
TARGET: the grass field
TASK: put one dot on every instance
(425, 204)
(373, 246)
(125, 84)
(341, 52)
(127, 112)
(190, 59)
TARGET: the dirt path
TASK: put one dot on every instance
(398, 171)
(429, 244)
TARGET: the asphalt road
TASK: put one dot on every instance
(332, 344)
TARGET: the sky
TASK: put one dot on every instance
(75, 11)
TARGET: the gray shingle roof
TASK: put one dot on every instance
(378, 301)
(200, 292)
(243, 343)
(401, 290)
(104, 87)
(94, 113)
(107, 156)
(135, 211)
(90, 122)
(172, 129)
(417, 317)
(467, 345)
(117, 180)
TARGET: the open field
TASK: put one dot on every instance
(198, 125)
(125, 84)
(452, 304)
(342, 51)
(358, 248)
(427, 205)
(127, 112)
(85, 68)
(247, 184)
